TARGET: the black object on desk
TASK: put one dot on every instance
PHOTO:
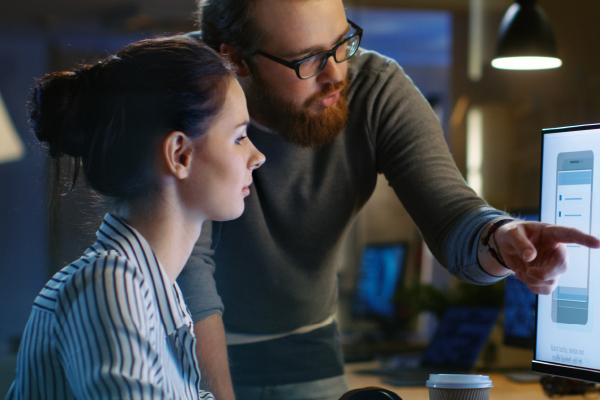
(558, 386)
(370, 393)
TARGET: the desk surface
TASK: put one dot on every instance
(503, 388)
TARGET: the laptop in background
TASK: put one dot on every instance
(454, 348)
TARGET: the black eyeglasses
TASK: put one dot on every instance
(312, 65)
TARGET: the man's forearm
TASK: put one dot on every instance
(211, 350)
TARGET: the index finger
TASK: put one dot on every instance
(563, 234)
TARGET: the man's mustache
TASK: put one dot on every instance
(328, 89)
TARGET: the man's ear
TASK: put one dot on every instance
(177, 153)
(239, 65)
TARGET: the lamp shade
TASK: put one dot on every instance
(11, 146)
(525, 39)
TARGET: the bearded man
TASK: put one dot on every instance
(329, 117)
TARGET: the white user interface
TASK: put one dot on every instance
(566, 329)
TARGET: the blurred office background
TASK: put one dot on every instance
(445, 46)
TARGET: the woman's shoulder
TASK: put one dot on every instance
(100, 273)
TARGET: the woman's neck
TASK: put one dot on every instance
(170, 232)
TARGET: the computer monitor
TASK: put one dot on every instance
(519, 303)
(568, 320)
(382, 268)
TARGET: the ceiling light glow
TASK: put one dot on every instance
(526, 63)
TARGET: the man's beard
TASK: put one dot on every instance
(298, 125)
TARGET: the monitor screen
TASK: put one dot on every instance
(381, 270)
(568, 320)
(519, 304)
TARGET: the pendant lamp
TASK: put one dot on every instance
(525, 39)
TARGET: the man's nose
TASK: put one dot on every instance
(333, 72)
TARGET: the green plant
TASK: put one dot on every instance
(418, 298)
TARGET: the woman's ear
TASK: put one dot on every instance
(177, 152)
(232, 55)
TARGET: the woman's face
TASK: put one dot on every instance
(223, 161)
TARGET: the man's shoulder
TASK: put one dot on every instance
(368, 62)
(371, 75)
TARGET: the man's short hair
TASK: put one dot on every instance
(230, 22)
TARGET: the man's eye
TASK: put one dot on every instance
(305, 56)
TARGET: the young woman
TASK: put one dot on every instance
(159, 129)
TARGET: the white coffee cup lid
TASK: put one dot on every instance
(458, 381)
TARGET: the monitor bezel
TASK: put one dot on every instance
(546, 367)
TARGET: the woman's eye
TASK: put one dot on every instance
(238, 140)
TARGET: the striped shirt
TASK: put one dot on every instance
(110, 325)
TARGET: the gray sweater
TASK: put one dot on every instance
(273, 269)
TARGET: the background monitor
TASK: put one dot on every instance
(519, 303)
(382, 268)
(568, 320)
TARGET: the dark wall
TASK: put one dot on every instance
(23, 242)
(29, 253)
(525, 102)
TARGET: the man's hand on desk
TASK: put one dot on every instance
(534, 251)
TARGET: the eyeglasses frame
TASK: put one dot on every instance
(295, 65)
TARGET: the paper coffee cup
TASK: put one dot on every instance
(459, 387)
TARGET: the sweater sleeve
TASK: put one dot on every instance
(197, 282)
(412, 154)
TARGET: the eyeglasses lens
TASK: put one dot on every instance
(341, 52)
(314, 65)
(311, 66)
(352, 46)
(347, 49)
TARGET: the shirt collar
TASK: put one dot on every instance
(131, 244)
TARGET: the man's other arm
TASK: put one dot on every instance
(200, 294)
(211, 350)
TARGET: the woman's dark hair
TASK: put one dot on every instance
(230, 22)
(110, 116)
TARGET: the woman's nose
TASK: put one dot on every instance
(256, 159)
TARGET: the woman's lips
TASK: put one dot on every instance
(246, 190)
(330, 100)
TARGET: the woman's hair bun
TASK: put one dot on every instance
(114, 114)
(57, 112)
